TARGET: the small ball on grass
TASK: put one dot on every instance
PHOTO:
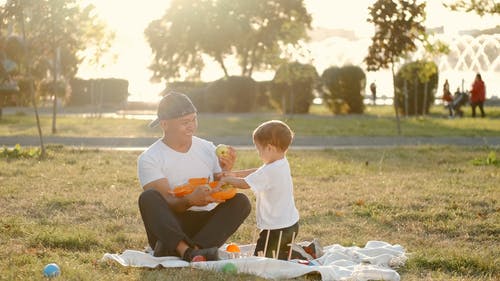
(51, 270)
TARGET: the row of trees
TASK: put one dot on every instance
(295, 86)
(258, 33)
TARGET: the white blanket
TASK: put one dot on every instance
(376, 261)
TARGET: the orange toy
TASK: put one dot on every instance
(198, 181)
(183, 190)
(233, 248)
(228, 191)
(186, 189)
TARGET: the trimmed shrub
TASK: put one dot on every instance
(230, 94)
(293, 85)
(193, 89)
(345, 89)
(416, 84)
(46, 88)
(110, 91)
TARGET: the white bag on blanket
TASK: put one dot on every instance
(376, 261)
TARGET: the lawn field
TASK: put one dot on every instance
(441, 203)
(377, 121)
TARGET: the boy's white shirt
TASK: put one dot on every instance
(273, 187)
(160, 161)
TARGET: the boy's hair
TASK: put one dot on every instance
(273, 132)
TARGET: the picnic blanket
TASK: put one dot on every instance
(377, 260)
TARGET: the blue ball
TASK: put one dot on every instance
(51, 270)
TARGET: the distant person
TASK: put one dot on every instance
(478, 95)
(459, 100)
(196, 224)
(373, 89)
(448, 98)
(277, 216)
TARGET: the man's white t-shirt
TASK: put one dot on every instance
(273, 188)
(160, 161)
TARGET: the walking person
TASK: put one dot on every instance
(373, 89)
(447, 98)
(478, 95)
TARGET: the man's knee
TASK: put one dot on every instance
(243, 203)
(147, 196)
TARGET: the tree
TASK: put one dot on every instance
(253, 32)
(59, 35)
(481, 7)
(293, 87)
(345, 87)
(416, 84)
(398, 25)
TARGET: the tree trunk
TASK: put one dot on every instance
(54, 87)
(424, 108)
(222, 65)
(395, 100)
(31, 89)
(415, 99)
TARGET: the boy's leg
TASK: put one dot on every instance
(222, 222)
(287, 234)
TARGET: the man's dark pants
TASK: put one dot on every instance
(204, 229)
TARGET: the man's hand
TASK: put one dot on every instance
(201, 196)
(227, 162)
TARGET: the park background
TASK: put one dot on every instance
(439, 201)
(341, 35)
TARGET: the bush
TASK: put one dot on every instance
(46, 89)
(230, 94)
(345, 89)
(293, 85)
(193, 89)
(110, 91)
(421, 79)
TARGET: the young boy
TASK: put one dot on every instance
(273, 187)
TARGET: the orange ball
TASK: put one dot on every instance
(233, 248)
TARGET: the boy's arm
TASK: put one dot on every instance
(240, 173)
(237, 182)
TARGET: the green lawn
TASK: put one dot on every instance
(377, 121)
(440, 202)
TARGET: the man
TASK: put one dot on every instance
(373, 89)
(196, 224)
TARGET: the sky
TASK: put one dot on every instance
(129, 19)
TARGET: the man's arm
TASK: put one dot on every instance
(199, 197)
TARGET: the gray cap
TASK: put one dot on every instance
(173, 105)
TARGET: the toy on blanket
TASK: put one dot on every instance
(306, 252)
(198, 258)
(230, 268)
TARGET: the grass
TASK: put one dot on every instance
(439, 202)
(377, 121)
